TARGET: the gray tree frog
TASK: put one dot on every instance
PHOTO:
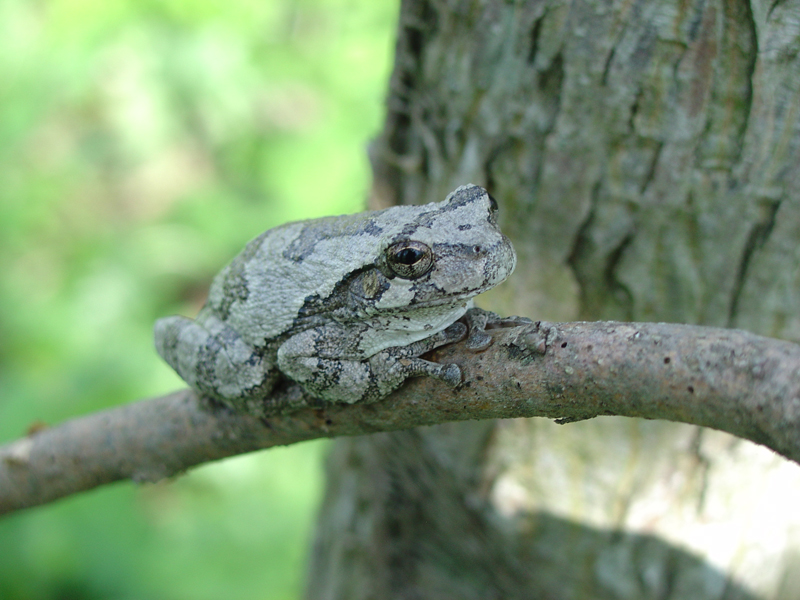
(342, 305)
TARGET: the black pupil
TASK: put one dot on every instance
(408, 256)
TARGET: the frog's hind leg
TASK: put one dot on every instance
(213, 359)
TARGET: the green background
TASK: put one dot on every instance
(142, 144)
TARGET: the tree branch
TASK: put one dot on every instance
(729, 380)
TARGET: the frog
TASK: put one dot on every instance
(344, 306)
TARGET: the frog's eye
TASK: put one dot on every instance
(409, 260)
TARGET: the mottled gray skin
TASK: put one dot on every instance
(340, 304)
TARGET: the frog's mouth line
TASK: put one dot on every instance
(449, 301)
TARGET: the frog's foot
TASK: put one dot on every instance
(450, 373)
(405, 368)
(479, 320)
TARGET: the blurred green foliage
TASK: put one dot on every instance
(142, 144)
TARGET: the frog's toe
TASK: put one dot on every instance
(478, 340)
(454, 333)
(450, 374)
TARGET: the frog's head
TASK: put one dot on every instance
(445, 253)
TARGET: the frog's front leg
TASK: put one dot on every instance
(214, 360)
(327, 363)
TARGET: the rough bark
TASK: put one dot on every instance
(646, 158)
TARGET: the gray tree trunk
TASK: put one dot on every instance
(646, 157)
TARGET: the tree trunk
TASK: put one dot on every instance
(645, 155)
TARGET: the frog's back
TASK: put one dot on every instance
(261, 292)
